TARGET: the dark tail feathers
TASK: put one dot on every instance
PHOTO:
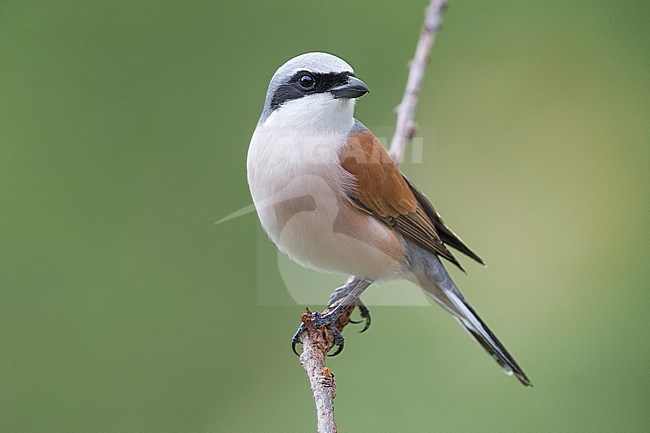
(484, 336)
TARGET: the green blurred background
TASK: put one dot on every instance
(124, 127)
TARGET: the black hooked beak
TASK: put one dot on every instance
(354, 88)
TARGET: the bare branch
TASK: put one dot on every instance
(316, 342)
(405, 128)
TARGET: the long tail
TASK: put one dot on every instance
(434, 279)
(480, 332)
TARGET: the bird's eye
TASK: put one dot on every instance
(307, 82)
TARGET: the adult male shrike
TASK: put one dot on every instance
(329, 195)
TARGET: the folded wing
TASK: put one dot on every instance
(381, 190)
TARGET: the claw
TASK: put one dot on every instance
(367, 325)
(365, 313)
(296, 338)
(339, 349)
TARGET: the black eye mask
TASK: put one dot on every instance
(324, 82)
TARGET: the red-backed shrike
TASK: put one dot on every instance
(329, 195)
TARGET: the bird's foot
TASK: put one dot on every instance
(321, 321)
(337, 315)
(365, 315)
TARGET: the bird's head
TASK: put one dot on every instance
(315, 90)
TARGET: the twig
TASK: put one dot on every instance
(405, 129)
(316, 342)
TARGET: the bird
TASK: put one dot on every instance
(329, 196)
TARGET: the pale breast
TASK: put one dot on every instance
(298, 191)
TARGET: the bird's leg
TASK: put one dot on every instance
(343, 297)
(341, 293)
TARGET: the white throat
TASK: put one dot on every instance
(318, 113)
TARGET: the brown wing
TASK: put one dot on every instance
(381, 190)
